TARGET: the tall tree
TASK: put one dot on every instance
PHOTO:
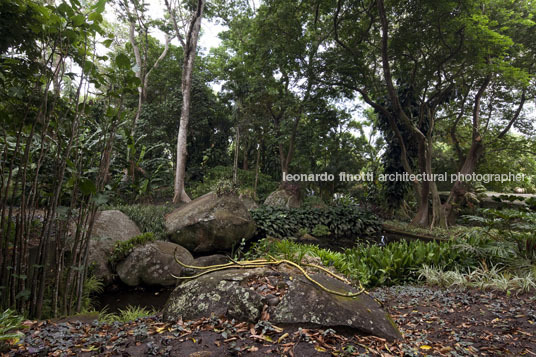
(410, 61)
(138, 35)
(187, 31)
(273, 68)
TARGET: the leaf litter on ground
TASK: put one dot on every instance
(433, 321)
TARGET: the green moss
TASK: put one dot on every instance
(123, 249)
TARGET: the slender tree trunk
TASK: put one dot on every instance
(257, 160)
(189, 45)
(245, 165)
(235, 163)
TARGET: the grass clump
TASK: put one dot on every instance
(123, 249)
(130, 313)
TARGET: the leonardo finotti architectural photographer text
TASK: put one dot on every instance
(404, 176)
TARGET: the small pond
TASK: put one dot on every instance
(119, 296)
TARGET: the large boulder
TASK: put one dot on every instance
(210, 223)
(109, 228)
(154, 264)
(283, 198)
(285, 295)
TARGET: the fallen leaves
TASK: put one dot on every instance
(434, 322)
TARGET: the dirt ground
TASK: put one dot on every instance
(433, 321)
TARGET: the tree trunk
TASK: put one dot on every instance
(257, 160)
(189, 45)
(245, 165)
(458, 191)
(235, 163)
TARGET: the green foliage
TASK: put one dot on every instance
(130, 313)
(123, 249)
(149, 218)
(246, 182)
(372, 265)
(480, 278)
(510, 238)
(225, 187)
(341, 221)
(398, 262)
(320, 230)
(9, 321)
(92, 285)
(313, 202)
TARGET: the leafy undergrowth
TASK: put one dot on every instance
(434, 322)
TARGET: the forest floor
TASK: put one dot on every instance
(433, 321)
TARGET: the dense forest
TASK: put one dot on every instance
(119, 104)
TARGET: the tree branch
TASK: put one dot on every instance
(175, 25)
(515, 117)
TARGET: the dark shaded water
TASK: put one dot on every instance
(119, 296)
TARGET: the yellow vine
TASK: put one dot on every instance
(257, 263)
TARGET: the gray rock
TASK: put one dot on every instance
(210, 223)
(153, 264)
(241, 294)
(248, 202)
(213, 259)
(110, 227)
(283, 198)
(205, 261)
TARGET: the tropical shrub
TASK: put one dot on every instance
(372, 265)
(341, 221)
(510, 238)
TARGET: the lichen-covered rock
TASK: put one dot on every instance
(154, 264)
(248, 202)
(283, 198)
(210, 223)
(109, 228)
(287, 296)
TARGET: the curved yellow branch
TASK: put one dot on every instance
(251, 264)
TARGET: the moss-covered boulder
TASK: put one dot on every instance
(285, 295)
(210, 223)
(153, 264)
(110, 227)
